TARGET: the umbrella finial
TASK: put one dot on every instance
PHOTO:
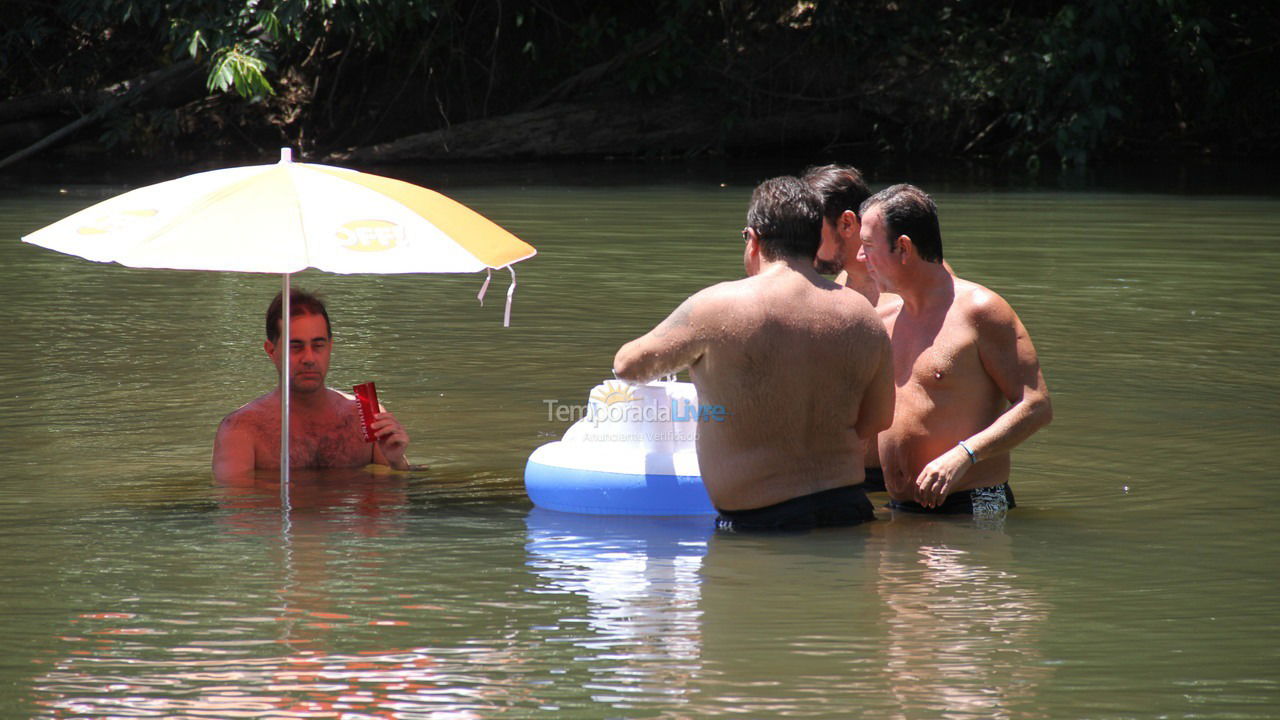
(286, 155)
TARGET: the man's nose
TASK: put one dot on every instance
(862, 254)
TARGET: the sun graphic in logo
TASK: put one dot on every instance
(370, 235)
(613, 392)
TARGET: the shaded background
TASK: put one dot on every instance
(1034, 85)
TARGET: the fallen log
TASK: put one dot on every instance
(24, 132)
(70, 100)
(656, 128)
(44, 104)
(110, 98)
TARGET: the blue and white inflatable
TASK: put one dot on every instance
(631, 452)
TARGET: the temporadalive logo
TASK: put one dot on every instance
(613, 392)
(617, 402)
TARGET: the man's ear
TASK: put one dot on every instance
(906, 247)
(848, 224)
(269, 347)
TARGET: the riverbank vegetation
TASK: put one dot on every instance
(1033, 83)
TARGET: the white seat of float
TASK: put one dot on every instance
(630, 452)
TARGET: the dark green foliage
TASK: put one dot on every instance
(1037, 81)
(1099, 72)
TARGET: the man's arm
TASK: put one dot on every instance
(1005, 348)
(675, 344)
(875, 412)
(1009, 359)
(233, 450)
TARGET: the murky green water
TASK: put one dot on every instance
(1137, 578)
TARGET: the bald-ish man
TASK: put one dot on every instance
(969, 386)
(800, 365)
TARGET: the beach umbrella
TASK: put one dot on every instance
(283, 218)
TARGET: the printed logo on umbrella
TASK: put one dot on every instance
(115, 222)
(370, 235)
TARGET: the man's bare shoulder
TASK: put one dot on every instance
(710, 302)
(251, 414)
(983, 306)
(846, 295)
(889, 305)
(238, 435)
(761, 295)
(727, 290)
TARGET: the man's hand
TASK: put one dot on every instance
(942, 476)
(391, 438)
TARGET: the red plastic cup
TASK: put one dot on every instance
(367, 396)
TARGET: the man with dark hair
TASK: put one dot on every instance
(908, 210)
(842, 190)
(800, 365)
(969, 382)
(325, 424)
(300, 303)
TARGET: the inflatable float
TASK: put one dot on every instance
(630, 451)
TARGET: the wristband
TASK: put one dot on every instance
(973, 459)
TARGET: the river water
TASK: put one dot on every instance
(1136, 579)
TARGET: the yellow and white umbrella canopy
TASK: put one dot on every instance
(284, 218)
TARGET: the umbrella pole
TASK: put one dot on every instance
(286, 338)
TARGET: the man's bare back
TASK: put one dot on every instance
(800, 366)
(790, 358)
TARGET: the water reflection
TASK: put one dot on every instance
(367, 502)
(961, 628)
(310, 522)
(790, 624)
(276, 645)
(908, 617)
(640, 579)
(301, 685)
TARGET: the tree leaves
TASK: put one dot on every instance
(233, 67)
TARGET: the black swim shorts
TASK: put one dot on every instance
(873, 480)
(842, 506)
(978, 501)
